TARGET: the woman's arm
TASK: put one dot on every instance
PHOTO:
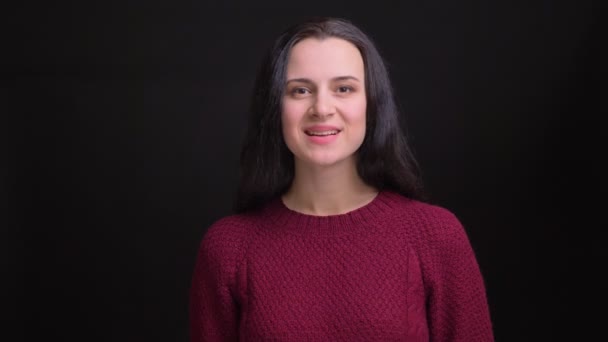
(457, 304)
(214, 310)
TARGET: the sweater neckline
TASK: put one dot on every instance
(357, 220)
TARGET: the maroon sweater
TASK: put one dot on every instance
(393, 270)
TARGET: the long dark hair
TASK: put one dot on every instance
(384, 160)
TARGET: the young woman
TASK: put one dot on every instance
(332, 240)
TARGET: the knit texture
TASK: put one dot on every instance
(393, 270)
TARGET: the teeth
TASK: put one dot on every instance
(323, 133)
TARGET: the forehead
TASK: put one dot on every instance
(324, 58)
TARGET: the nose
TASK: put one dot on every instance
(323, 105)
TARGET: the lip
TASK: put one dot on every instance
(322, 139)
(322, 128)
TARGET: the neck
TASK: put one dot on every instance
(321, 190)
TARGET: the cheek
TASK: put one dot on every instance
(291, 115)
(289, 124)
(357, 113)
(286, 119)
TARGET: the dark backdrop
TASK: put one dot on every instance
(125, 120)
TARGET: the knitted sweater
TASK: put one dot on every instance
(393, 270)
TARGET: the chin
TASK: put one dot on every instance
(326, 161)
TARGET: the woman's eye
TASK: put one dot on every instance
(299, 91)
(345, 89)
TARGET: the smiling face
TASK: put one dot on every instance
(323, 109)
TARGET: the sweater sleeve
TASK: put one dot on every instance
(214, 305)
(456, 303)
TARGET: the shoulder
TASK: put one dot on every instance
(427, 223)
(229, 228)
(438, 238)
(224, 240)
(429, 215)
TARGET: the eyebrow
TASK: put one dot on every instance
(339, 78)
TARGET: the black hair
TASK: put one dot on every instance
(384, 159)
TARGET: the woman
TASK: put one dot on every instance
(331, 240)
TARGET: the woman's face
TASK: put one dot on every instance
(323, 109)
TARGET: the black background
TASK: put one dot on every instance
(125, 122)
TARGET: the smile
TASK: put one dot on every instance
(321, 133)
